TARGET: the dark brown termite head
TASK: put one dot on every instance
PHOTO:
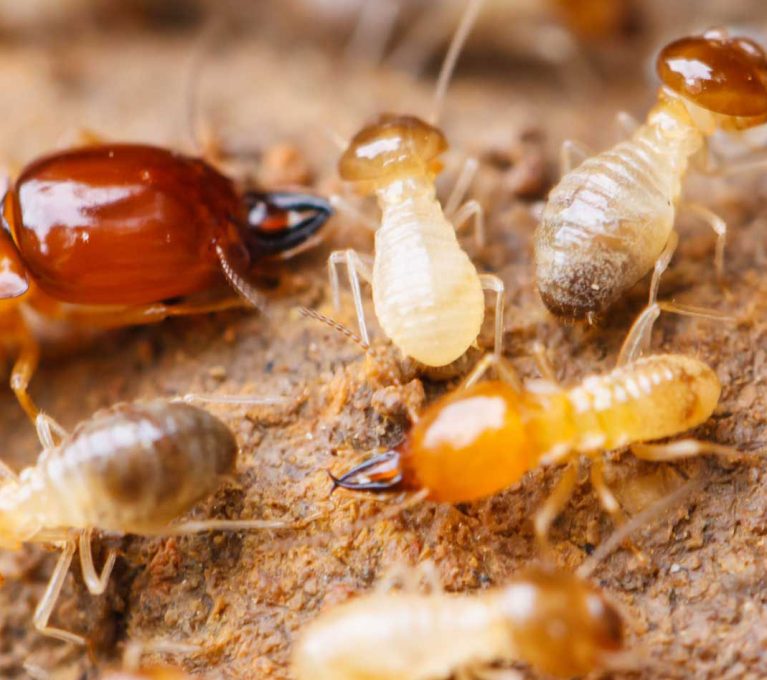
(561, 624)
(723, 75)
(392, 148)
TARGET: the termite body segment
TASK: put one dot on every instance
(478, 441)
(428, 295)
(608, 220)
(106, 235)
(132, 468)
(552, 620)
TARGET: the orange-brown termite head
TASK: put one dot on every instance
(725, 76)
(392, 148)
(567, 626)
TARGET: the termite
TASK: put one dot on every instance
(481, 439)
(610, 218)
(427, 294)
(557, 622)
(553, 620)
(114, 234)
(133, 468)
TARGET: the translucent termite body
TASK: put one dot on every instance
(132, 468)
(608, 220)
(479, 440)
(556, 622)
(427, 294)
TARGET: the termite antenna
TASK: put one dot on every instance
(240, 285)
(335, 325)
(637, 521)
(451, 58)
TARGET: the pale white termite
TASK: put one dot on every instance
(132, 468)
(427, 294)
(608, 220)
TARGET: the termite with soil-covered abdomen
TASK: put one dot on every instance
(610, 218)
(133, 468)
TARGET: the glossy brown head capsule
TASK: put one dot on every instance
(723, 75)
(129, 224)
(123, 228)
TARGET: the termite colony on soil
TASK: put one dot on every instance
(137, 468)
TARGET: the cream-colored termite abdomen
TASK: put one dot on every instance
(427, 293)
(131, 469)
(397, 636)
(653, 397)
(607, 221)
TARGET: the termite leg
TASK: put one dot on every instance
(554, 505)
(681, 448)
(505, 370)
(661, 265)
(49, 599)
(22, 372)
(609, 502)
(344, 206)
(487, 673)
(47, 428)
(543, 363)
(493, 283)
(154, 313)
(571, 155)
(186, 528)
(461, 186)
(96, 583)
(464, 214)
(720, 229)
(233, 399)
(356, 267)
(374, 27)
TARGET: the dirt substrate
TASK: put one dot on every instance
(695, 609)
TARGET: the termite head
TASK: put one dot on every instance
(392, 148)
(561, 624)
(722, 80)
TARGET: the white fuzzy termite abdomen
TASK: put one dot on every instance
(606, 223)
(397, 636)
(426, 291)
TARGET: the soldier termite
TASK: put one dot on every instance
(132, 468)
(609, 219)
(427, 294)
(481, 439)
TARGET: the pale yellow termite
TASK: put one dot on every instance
(608, 220)
(132, 468)
(427, 294)
(553, 620)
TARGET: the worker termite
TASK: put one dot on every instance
(556, 621)
(610, 218)
(481, 439)
(427, 293)
(132, 468)
(105, 235)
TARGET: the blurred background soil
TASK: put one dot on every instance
(274, 83)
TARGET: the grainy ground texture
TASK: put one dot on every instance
(275, 83)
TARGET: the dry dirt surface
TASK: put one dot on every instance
(276, 96)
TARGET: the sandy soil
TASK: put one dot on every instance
(696, 609)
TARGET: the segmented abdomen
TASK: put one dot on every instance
(606, 222)
(651, 398)
(133, 468)
(426, 291)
